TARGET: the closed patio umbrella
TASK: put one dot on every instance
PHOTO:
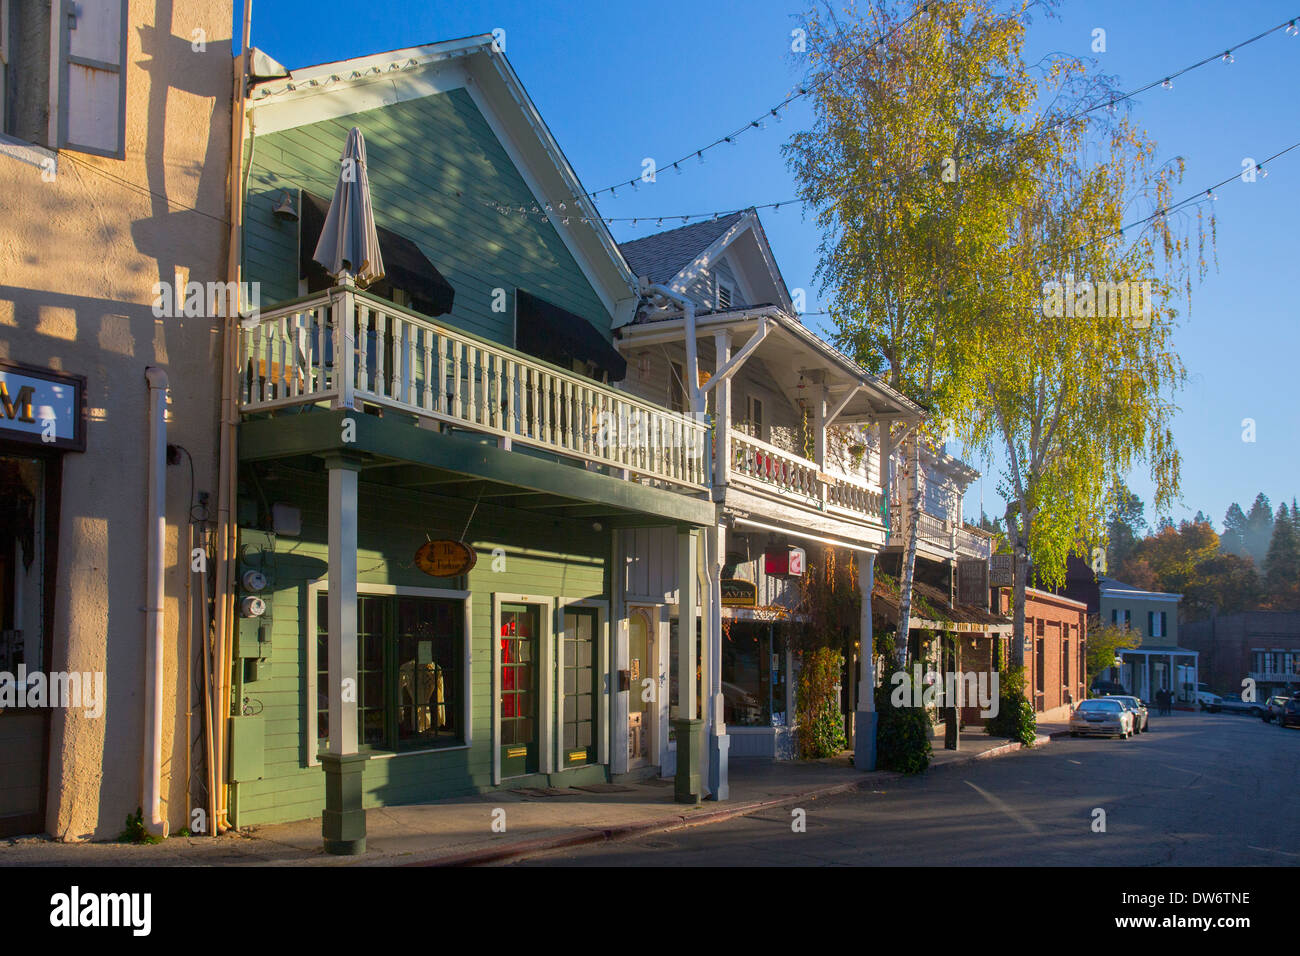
(349, 243)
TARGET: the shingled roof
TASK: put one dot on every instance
(663, 255)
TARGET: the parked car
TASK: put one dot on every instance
(1104, 715)
(1141, 716)
(1208, 701)
(1290, 716)
(1108, 688)
(1235, 705)
(1273, 707)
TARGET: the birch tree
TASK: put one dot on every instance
(908, 169)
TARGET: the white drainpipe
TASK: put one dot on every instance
(151, 774)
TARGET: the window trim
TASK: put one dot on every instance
(314, 589)
(601, 607)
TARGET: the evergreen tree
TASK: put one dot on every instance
(1125, 525)
(1259, 529)
(1282, 566)
(1233, 539)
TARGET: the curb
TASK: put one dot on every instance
(672, 822)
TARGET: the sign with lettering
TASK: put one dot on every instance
(445, 558)
(973, 582)
(40, 407)
(784, 561)
(1001, 568)
(739, 593)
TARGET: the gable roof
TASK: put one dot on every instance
(661, 256)
(309, 94)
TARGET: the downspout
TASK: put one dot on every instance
(151, 776)
(692, 359)
(223, 626)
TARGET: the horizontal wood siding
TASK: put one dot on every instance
(437, 172)
(539, 559)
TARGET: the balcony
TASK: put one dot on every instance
(764, 468)
(398, 361)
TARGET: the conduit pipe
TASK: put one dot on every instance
(151, 775)
(692, 359)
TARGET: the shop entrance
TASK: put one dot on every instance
(520, 660)
(644, 687)
(23, 640)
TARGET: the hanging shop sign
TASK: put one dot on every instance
(1001, 567)
(739, 593)
(784, 561)
(40, 407)
(445, 558)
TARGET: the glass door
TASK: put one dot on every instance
(643, 687)
(520, 626)
(579, 675)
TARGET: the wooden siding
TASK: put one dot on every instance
(539, 559)
(436, 170)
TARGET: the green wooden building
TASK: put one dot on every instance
(463, 399)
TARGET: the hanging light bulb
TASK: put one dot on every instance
(561, 207)
(1227, 56)
(612, 194)
(633, 223)
(566, 220)
(677, 169)
(660, 222)
(776, 116)
(1209, 194)
(1291, 29)
(1263, 173)
(700, 154)
(685, 218)
(1168, 84)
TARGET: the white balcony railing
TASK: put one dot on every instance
(760, 464)
(399, 359)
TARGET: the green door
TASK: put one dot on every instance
(579, 676)
(520, 626)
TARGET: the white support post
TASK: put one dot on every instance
(688, 726)
(864, 725)
(343, 823)
(343, 308)
(722, 412)
(719, 743)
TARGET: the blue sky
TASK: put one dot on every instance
(620, 81)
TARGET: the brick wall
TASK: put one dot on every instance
(1054, 669)
(1225, 644)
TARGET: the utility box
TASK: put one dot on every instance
(250, 638)
(247, 748)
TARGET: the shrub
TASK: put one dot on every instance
(1015, 718)
(821, 723)
(902, 734)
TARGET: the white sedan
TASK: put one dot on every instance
(1105, 716)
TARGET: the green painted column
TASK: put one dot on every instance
(343, 824)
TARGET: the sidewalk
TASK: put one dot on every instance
(459, 831)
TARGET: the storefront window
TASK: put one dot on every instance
(409, 676)
(21, 562)
(754, 675)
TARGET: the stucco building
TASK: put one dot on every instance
(114, 157)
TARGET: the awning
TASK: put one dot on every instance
(406, 266)
(557, 335)
(932, 612)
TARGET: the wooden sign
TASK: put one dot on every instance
(973, 582)
(1001, 567)
(784, 561)
(739, 593)
(445, 558)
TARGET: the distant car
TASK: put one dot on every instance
(1235, 705)
(1209, 701)
(1290, 715)
(1104, 715)
(1108, 688)
(1273, 707)
(1141, 716)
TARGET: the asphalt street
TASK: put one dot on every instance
(1198, 789)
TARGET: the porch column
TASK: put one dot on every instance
(864, 723)
(715, 715)
(343, 823)
(722, 415)
(687, 724)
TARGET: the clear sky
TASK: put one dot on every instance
(618, 82)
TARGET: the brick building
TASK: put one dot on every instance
(1261, 645)
(1056, 629)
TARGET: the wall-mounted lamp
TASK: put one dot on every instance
(284, 210)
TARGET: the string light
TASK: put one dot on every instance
(1227, 56)
(1110, 105)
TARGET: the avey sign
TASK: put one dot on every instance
(42, 407)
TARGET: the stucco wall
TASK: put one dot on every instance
(79, 257)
